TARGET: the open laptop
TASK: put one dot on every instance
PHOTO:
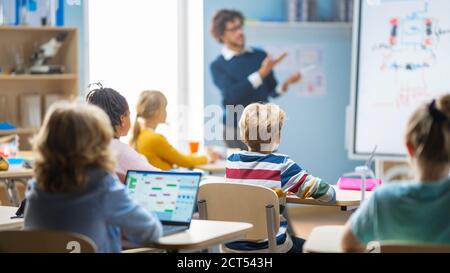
(172, 196)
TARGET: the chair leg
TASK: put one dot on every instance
(271, 233)
(202, 210)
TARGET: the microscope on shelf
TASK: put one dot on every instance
(47, 51)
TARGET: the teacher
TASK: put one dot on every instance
(243, 75)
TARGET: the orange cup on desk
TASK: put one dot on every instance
(193, 146)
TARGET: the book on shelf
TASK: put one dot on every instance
(7, 12)
(30, 110)
(32, 12)
(344, 10)
(4, 109)
(320, 10)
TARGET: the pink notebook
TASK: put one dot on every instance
(355, 184)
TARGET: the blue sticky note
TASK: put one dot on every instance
(15, 160)
(7, 126)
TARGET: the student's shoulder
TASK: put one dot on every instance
(236, 156)
(119, 147)
(284, 157)
(32, 187)
(394, 190)
(103, 180)
(149, 136)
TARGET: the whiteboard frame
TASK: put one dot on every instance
(351, 117)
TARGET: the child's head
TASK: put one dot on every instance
(73, 139)
(151, 106)
(261, 125)
(116, 107)
(428, 135)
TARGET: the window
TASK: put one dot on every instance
(133, 46)
(137, 45)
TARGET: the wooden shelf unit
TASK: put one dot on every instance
(61, 77)
(24, 40)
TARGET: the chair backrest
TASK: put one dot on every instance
(401, 247)
(45, 242)
(241, 203)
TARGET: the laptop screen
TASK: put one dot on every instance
(171, 196)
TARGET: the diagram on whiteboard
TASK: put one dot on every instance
(403, 62)
(412, 48)
(308, 60)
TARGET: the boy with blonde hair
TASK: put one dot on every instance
(260, 127)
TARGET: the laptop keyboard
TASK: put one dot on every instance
(167, 230)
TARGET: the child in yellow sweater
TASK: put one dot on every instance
(151, 111)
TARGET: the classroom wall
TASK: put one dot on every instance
(314, 134)
(321, 148)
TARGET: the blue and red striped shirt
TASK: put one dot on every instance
(276, 171)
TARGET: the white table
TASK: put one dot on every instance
(203, 234)
(6, 223)
(218, 167)
(325, 239)
(345, 199)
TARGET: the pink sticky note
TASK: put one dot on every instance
(355, 184)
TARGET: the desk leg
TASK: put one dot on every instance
(349, 208)
(12, 192)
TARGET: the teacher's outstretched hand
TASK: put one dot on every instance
(293, 79)
(269, 63)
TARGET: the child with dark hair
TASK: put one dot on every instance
(116, 107)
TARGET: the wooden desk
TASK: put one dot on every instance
(213, 179)
(16, 171)
(8, 178)
(27, 154)
(325, 239)
(203, 234)
(218, 167)
(344, 198)
(6, 223)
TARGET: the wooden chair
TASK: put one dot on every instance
(44, 242)
(242, 203)
(401, 247)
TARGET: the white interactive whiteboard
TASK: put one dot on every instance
(401, 59)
